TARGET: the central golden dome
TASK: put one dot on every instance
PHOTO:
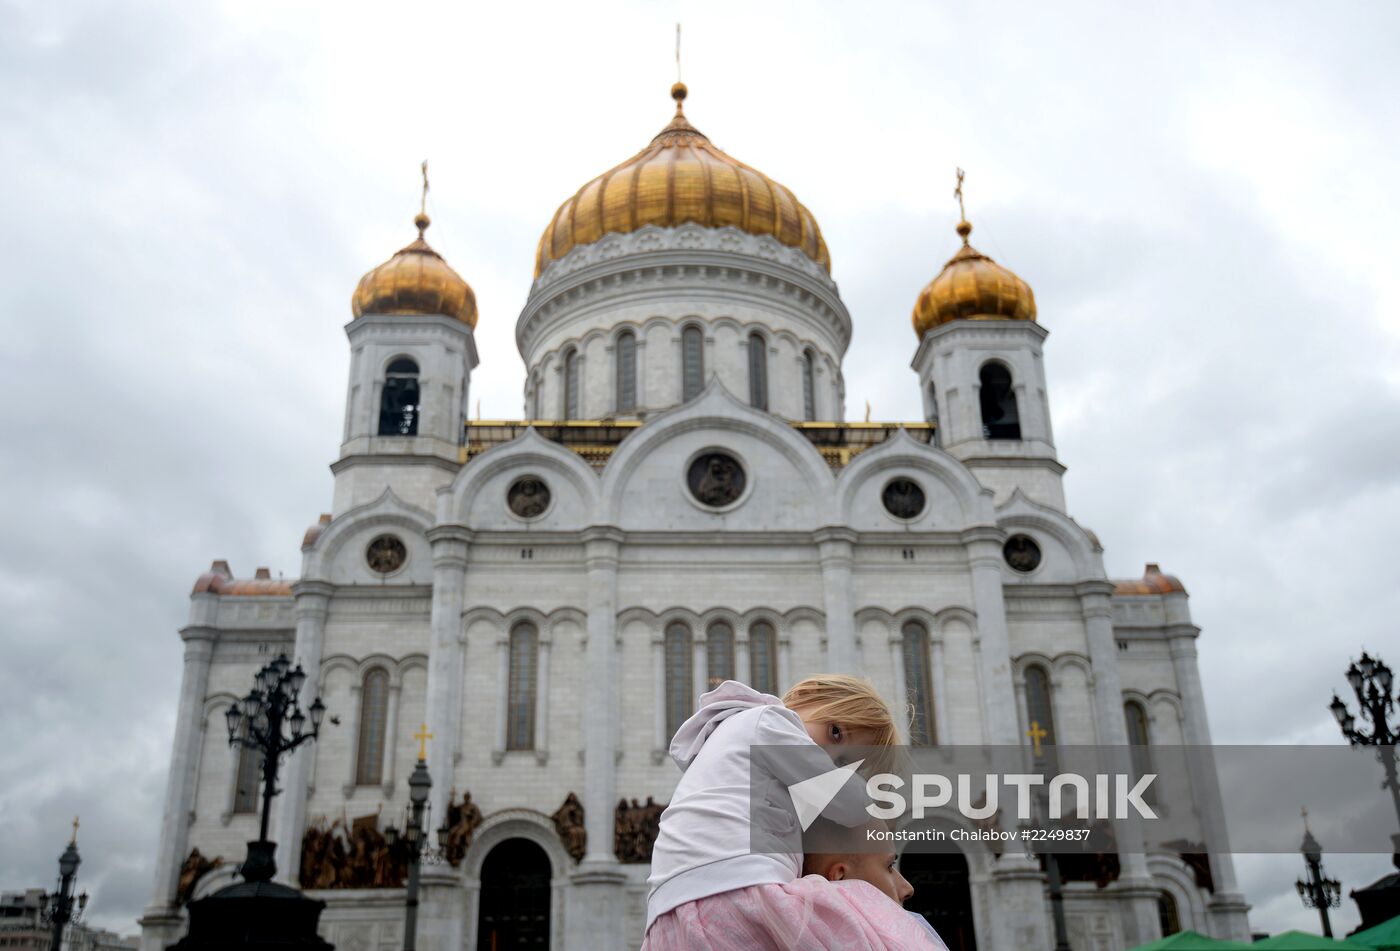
(680, 177)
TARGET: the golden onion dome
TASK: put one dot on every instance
(681, 177)
(416, 280)
(972, 286)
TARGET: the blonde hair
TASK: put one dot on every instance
(852, 702)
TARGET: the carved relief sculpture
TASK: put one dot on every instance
(568, 822)
(195, 868)
(635, 829)
(462, 820)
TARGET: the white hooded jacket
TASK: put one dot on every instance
(703, 847)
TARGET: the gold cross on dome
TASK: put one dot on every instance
(1036, 734)
(958, 194)
(678, 52)
(423, 736)
(423, 205)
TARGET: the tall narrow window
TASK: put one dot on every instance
(374, 712)
(1136, 719)
(692, 363)
(571, 385)
(933, 410)
(1167, 916)
(999, 417)
(535, 398)
(1040, 711)
(520, 698)
(719, 654)
(809, 385)
(918, 684)
(763, 657)
(680, 684)
(758, 371)
(626, 372)
(398, 405)
(245, 789)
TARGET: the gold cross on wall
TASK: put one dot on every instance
(423, 736)
(1036, 734)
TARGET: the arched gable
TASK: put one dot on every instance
(786, 480)
(477, 496)
(1069, 553)
(954, 499)
(337, 553)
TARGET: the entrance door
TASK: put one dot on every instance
(942, 895)
(514, 912)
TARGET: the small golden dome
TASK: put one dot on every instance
(972, 286)
(680, 177)
(416, 280)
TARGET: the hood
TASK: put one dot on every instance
(718, 705)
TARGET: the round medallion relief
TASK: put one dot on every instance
(386, 554)
(716, 479)
(1022, 553)
(528, 497)
(903, 498)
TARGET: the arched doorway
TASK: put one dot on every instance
(514, 908)
(942, 895)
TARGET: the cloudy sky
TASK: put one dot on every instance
(1203, 197)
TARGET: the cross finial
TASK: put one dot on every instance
(1304, 813)
(74, 840)
(964, 227)
(1036, 733)
(423, 204)
(423, 736)
(678, 51)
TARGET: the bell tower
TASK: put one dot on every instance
(982, 375)
(412, 351)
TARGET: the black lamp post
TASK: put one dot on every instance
(1372, 682)
(60, 911)
(1316, 890)
(415, 837)
(270, 721)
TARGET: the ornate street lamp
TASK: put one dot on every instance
(59, 911)
(1372, 682)
(415, 837)
(270, 721)
(1316, 890)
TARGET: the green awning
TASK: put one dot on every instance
(1302, 941)
(1190, 941)
(1383, 937)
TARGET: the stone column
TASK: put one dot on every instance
(943, 727)
(545, 642)
(162, 922)
(1227, 908)
(1135, 881)
(596, 900)
(901, 685)
(999, 723)
(391, 737)
(836, 549)
(1022, 919)
(445, 658)
(313, 599)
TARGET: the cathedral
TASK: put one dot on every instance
(540, 602)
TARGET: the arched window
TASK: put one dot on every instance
(719, 654)
(809, 385)
(1167, 915)
(999, 417)
(918, 684)
(245, 789)
(692, 362)
(374, 713)
(1136, 719)
(626, 372)
(758, 371)
(535, 398)
(571, 410)
(680, 683)
(933, 410)
(763, 657)
(398, 405)
(520, 697)
(1039, 710)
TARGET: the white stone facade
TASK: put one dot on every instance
(623, 550)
